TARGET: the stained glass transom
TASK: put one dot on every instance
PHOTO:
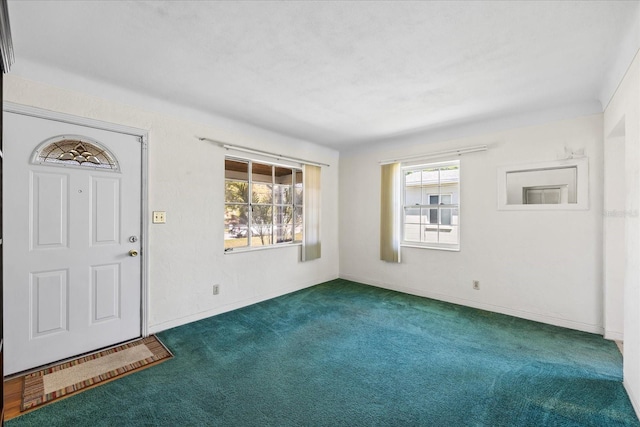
(75, 152)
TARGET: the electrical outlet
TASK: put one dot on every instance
(216, 289)
(476, 285)
(159, 217)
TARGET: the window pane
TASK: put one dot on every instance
(412, 232)
(261, 214)
(429, 216)
(234, 169)
(236, 215)
(433, 216)
(445, 199)
(283, 233)
(261, 234)
(449, 234)
(284, 215)
(450, 174)
(430, 177)
(297, 224)
(283, 175)
(261, 225)
(412, 196)
(412, 178)
(412, 215)
(282, 194)
(261, 172)
(431, 233)
(445, 216)
(236, 191)
(298, 189)
(299, 200)
(298, 216)
(235, 226)
(430, 195)
(261, 193)
(412, 188)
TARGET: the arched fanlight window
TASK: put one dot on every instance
(74, 151)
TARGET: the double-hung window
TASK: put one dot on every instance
(431, 205)
(263, 204)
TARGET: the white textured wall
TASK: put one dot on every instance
(615, 215)
(541, 265)
(186, 178)
(624, 110)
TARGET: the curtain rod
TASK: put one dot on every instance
(261, 153)
(458, 152)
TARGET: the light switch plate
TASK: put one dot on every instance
(159, 217)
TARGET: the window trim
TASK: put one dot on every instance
(243, 249)
(274, 206)
(454, 247)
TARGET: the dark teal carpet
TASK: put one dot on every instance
(345, 354)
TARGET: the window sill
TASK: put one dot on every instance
(438, 248)
(260, 248)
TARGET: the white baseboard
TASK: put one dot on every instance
(153, 329)
(536, 317)
(632, 398)
(565, 323)
(613, 335)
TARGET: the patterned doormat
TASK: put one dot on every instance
(73, 376)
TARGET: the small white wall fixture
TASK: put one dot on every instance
(564, 182)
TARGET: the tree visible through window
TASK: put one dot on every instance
(431, 211)
(263, 204)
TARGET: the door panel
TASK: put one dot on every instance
(49, 302)
(106, 292)
(70, 285)
(105, 212)
(49, 210)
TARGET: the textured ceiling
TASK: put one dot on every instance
(336, 73)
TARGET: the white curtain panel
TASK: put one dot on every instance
(389, 214)
(311, 245)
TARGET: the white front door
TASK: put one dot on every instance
(71, 284)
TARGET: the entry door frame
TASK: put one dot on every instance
(143, 135)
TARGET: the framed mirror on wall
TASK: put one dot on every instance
(555, 185)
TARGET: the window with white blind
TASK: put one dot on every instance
(431, 205)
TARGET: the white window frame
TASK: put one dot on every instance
(403, 206)
(274, 205)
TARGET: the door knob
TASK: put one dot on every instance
(133, 252)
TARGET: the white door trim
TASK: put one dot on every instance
(143, 134)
